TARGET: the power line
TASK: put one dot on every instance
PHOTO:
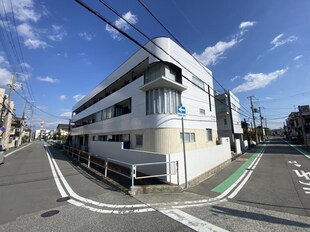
(34, 106)
(166, 29)
(22, 55)
(141, 46)
(137, 29)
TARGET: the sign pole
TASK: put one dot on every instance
(184, 151)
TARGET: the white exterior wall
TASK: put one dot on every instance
(198, 161)
(137, 119)
(235, 115)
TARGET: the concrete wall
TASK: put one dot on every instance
(198, 161)
(201, 161)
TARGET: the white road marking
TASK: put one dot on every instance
(145, 207)
(77, 203)
(307, 156)
(17, 150)
(191, 221)
(249, 173)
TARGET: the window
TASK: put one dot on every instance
(98, 116)
(188, 137)
(155, 71)
(209, 134)
(139, 140)
(162, 101)
(202, 112)
(198, 82)
(225, 121)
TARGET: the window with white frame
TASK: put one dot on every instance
(198, 82)
(188, 137)
(209, 134)
(162, 101)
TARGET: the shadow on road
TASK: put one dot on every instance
(257, 216)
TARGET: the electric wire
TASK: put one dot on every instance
(43, 111)
(170, 33)
(141, 46)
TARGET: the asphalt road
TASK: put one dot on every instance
(30, 200)
(44, 192)
(275, 184)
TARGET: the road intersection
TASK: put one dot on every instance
(266, 187)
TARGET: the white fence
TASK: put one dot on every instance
(198, 161)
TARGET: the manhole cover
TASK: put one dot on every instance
(50, 213)
(63, 199)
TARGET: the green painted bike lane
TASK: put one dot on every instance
(235, 176)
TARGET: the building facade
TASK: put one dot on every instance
(228, 118)
(298, 126)
(6, 119)
(137, 103)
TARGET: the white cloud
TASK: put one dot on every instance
(5, 74)
(25, 65)
(4, 62)
(66, 114)
(268, 98)
(58, 33)
(279, 41)
(5, 77)
(24, 10)
(47, 79)
(122, 24)
(26, 31)
(31, 38)
(35, 43)
(78, 97)
(258, 80)
(62, 97)
(86, 36)
(244, 26)
(247, 24)
(235, 78)
(211, 55)
(297, 57)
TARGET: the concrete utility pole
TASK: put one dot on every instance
(252, 108)
(261, 123)
(231, 117)
(6, 119)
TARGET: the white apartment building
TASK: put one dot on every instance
(137, 103)
(228, 118)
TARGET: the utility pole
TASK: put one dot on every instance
(252, 108)
(261, 122)
(6, 119)
(231, 117)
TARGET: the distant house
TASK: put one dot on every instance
(228, 119)
(62, 130)
(17, 131)
(298, 125)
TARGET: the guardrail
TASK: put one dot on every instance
(114, 165)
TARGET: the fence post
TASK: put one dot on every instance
(88, 164)
(133, 174)
(106, 168)
(177, 164)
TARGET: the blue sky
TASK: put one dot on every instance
(254, 48)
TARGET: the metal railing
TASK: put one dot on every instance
(119, 167)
